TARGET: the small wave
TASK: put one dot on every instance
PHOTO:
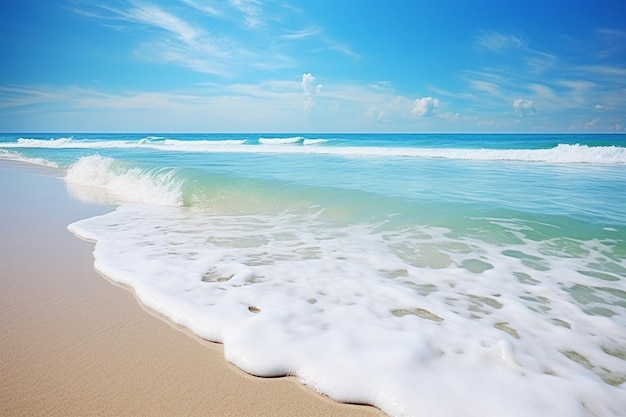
(42, 143)
(447, 322)
(151, 139)
(314, 141)
(561, 154)
(589, 154)
(199, 144)
(281, 141)
(65, 143)
(121, 184)
(15, 156)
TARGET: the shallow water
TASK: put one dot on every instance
(397, 270)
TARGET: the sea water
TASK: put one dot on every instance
(428, 275)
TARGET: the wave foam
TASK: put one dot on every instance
(43, 143)
(401, 318)
(124, 185)
(314, 141)
(281, 141)
(560, 154)
(194, 145)
(4, 154)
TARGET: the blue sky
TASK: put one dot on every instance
(313, 66)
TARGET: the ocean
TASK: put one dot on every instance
(427, 275)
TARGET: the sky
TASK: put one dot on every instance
(416, 66)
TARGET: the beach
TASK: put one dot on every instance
(75, 344)
(156, 274)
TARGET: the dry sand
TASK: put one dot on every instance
(74, 344)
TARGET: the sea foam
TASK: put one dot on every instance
(560, 154)
(5, 154)
(422, 274)
(403, 318)
(123, 185)
(281, 141)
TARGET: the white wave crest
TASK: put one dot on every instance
(281, 141)
(359, 314)
(314, 141)
(103, 179)
(150, 139)
(15, 156)
(560, 154)
(43, 143)
(174, 144)
(69, 143)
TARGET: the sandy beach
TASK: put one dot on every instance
(74, 344)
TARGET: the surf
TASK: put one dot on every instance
(562, 153)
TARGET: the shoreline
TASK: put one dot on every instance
(75, 345)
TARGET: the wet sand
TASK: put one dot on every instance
(74, 344)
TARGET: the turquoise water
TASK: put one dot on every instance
(394, 270)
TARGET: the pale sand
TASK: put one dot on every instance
(73, 344)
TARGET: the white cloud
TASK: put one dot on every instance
(156, 17)
(577, 86)
(309, 88)
(252, 11)
(178, 36)
(424, 106)
(578, 94)
(301, 34)
(204, 6)
(485, 86)
(308, 84)
(612, 73)
(538, 62)
(613, 42)
(178, 40)
(457, 117)
(543, 91)
(592, 123)
(374, 113)
(523, 107)
(270, 106)
(497, 41)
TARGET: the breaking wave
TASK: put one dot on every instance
(560, 154)
(117, 183)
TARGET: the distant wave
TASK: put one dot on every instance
(291, 141)
(563, 153)
(160, 140)
(281, 141)
(314, 141)
(147, 142)
(67, 143)
(44, 143)
(200, 144)
(151, 139)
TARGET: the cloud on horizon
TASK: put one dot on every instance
(200, 57)
(524, 107)
(425, 106)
